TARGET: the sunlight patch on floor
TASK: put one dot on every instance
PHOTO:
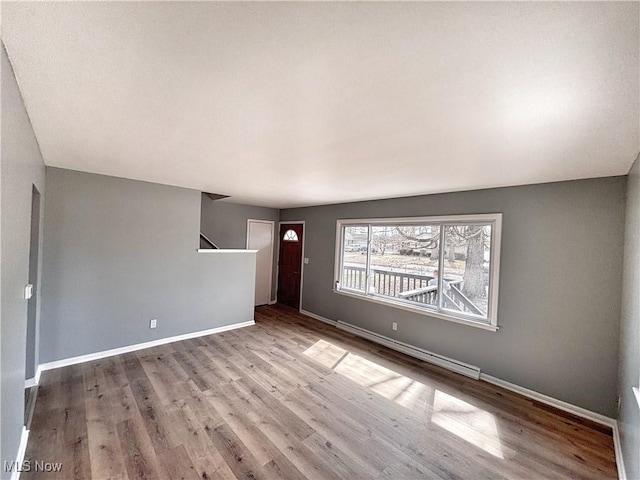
(476, 426)
(325, 353)
(470, 423)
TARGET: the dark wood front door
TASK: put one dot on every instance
(290, 264)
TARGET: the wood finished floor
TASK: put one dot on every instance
(292, 397)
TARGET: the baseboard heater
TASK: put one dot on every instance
(448, 363)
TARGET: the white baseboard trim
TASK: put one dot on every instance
(617, 446)
(32, 382)
(414, 352)
(24, 438)
(318, 317)
(272, 302)
(138, 346)
(559, 404)
(419, 353)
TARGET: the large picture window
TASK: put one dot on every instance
(447, 267)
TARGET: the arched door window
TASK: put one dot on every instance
(290, 236)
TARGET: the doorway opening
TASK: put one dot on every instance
(260, 238)
(32, 303)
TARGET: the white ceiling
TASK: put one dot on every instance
(290, 104)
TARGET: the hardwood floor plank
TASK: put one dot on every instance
(213, 467)
(240, 460)
(104, 446)
(297, 453)
(177, 465)
(46, 440)
(281, 467)
(151, 413)
(195, 372)
(122, 404)
(283, 415)
(343, 463)
(164, 389)
(293, 398)
(259, 445)
(76, 445)
(139, 457)
(230, 371)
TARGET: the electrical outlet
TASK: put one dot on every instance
(153, 323)
(618, 400)
(394, 326)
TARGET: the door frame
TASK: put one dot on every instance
(304, 238)
(34, 380)
(273, 238)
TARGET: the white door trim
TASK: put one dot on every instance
(271, 254)
(304, 237)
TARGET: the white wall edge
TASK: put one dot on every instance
(559, 404)
(24, 438)
(139, 346)
(636, 393)
(617, 446)
(318, 317)
(225, 250)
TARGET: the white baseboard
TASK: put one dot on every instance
(559, 404)
(318, 317)
(32, 382)
(617, 446)
(272, 302)
(139, 346)
(570, 408)
(24, 438)
(419, 353)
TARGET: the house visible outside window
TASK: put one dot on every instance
(446, 267)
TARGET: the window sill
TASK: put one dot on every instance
(420, 311)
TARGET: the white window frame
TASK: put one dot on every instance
(494, 219)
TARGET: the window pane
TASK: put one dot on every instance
(290, 236)
(403, 259)
(467, 252)
(354, 257)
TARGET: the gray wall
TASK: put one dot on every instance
(629, 419)
(225, 224)
(118, 253)
(560, 285)
(22, 167)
